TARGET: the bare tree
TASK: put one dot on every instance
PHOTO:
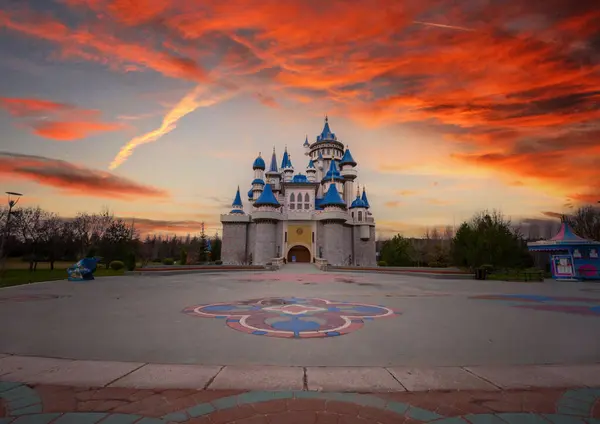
(30, 225)
(586, 222)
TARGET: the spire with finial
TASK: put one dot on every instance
(273, 166)
(237, 205)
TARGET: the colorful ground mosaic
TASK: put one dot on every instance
(292, 317)
(43, 404)
(571, 305)
(30, 297)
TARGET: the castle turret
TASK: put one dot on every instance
(333, 217)
(359, 216)
(348, 165)
(333, 177)
(286, 167)
(273, 176)
(258, 183)
(365, 200)
(306, 146)
(266, 215)
(235, 230)
(311, 171)
(237, 206)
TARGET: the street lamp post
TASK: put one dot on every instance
(13, 199)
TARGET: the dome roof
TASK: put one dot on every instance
(358, 203)
(299, 179)
(258, 181)
(259, 163)
(250, 194)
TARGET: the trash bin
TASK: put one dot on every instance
(480, 274)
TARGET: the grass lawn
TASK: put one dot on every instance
(15, 277)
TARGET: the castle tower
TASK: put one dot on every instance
(358, 210)
(235, 229)
(258, 183)
(333, 177)
(286, 167)
(273, 176)
(266, 215)
(333, 217)
(311, 172)
(348, 165)
(306, 146)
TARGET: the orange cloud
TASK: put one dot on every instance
(485, 77)
(68, 131)
(392, 204)
(407, 192)
(57, 121)
(73, 179)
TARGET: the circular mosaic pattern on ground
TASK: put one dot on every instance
(292, 317)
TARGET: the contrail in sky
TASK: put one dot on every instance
(443, 26)
(192, 101)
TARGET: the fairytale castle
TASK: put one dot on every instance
(318, 215)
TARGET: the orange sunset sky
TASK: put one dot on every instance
(156, 109)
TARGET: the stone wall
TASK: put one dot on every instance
(233, 249)
(265, 244)
(364, 250)
(319, 239)
(333, 248)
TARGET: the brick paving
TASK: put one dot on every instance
(51, 404)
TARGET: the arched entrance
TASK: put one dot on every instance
(300, 253)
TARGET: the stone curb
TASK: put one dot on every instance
(84, 373)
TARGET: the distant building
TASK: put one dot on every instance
(302, 216)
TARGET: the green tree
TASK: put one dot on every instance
(397, 251)
(489, 239)
(202, 253)
(216, 248)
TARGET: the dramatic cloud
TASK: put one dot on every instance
(512, 84)
(57, 121)
(72, 179)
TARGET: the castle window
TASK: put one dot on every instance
(306, 198)
(292, 198)
(313, 236)
(360, 215)
(306, 206)
(353, 214)
(299, 206)
(292, 205)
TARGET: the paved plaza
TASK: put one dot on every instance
(302, 317)
(299, 346)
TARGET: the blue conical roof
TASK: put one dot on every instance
(238, 199)
(364, 198)
(267, 198)
(259, 163)
(285, 160)
(347, 159)
(306, 143)
(332, 198)
(273, 167)
(332, 172)
(250, 194)
(326, 134)
(311, 164)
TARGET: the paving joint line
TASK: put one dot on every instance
(482, 378)
(394, 377)
(210, 381)
(126, 374)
